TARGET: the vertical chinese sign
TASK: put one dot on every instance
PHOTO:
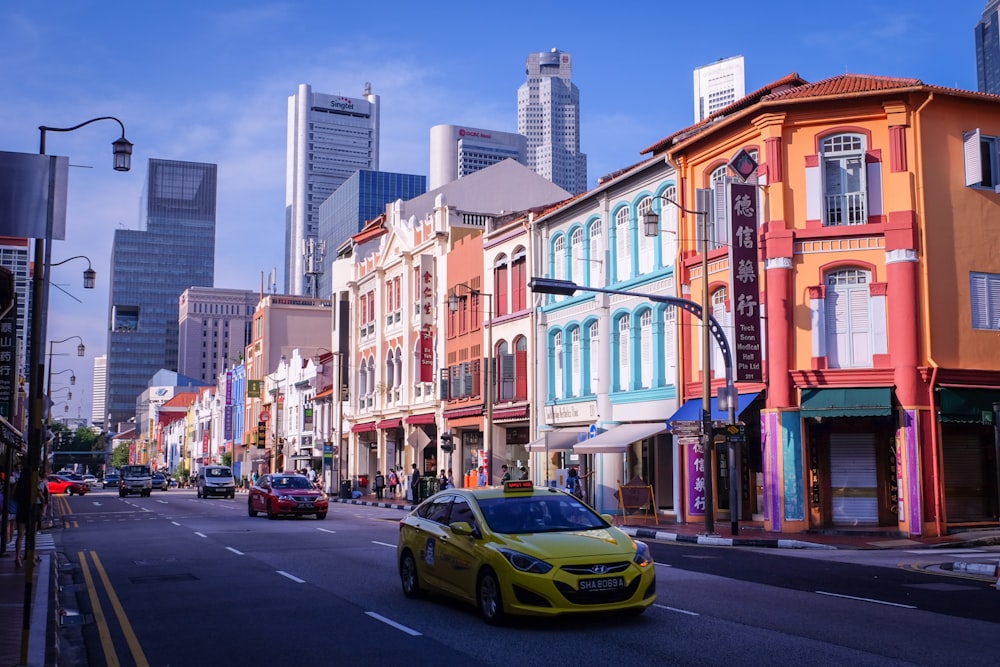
(426, 297)
(227, 420)
(743, 262)
(696, 474)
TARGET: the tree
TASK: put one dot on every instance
(119, 456)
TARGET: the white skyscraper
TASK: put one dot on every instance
(329, 138)
(718, 85)
(97, 412)
(548, 115)
(458, 151)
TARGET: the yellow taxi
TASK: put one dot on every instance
(518, 549)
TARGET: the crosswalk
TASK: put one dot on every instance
(44, 543)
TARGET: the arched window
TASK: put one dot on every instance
(559, 257)
(646, 243)
(520, 368)
(645, 361)
(518, 280)
(624, 352)
(596, 263)
(722, 315)
(500, 285)
(668, 221)
(623, 245)
(844, 192)
(371, 375)
(557, 352)
(390, 369)
(576, 255)
(575, 367)
(718, 234)
(848, 319)
(669, 344)
(591, 360)
(399, 367)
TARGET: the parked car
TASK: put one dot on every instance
(522, 550)
(90, 480)
(287, 495)
(61, 484)
(159, 481)
(111, 479)
(216, 481)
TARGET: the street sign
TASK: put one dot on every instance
(593, 431)
(684, 429)
(264, 415)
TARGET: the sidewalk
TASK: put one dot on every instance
(41, 651)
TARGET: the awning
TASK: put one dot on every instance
(691, 410)
(511, 413)
(426, 418)
(458, 413)
(847, 402)
(966, 405)
(560, 439)
(390, 423)
(363, 427)
(618, 439)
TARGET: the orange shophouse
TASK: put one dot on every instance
(879, 294)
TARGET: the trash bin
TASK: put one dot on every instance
(345, 489)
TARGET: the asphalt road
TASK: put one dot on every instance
(173, 580)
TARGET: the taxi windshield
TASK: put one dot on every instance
(538, 514)
(292, 483)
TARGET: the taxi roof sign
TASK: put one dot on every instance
(518, 485)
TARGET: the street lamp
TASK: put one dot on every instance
(122, 151)
(651, 228)
(89, 275)
(711, 327)
(453, 303)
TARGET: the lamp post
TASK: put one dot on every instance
(122, 151)
(569, 288)
(81, 349)
(651, 227)
(453, 302)
(89, 275)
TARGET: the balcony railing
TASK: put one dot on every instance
(846, 209)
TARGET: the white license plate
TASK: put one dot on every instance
(303, 506)
(602, 584)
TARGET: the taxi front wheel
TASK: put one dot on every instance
(489, 598)
(408, 576)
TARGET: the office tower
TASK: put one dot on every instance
(718, 85)
(150, 267)
(329, 138)
(548, 115)
(988, 49)
(97, 413)
(458, 151)
(213, 330)
(361, 198)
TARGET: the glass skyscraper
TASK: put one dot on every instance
(361, 198)
(150, 268)
(988, 49)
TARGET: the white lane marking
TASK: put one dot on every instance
(163, 502)
(663, 564)
(873, 601)
(384, 544)
(235, 551)
(679, 611)
(332, 532)
(398, 626)
(175, 523)
(934, 552)
(292, 577)
(200, 534)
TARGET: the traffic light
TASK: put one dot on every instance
(446, 443)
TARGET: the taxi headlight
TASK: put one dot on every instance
(524, 562)
(642, 558)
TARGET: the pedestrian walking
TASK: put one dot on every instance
(393, 482)
(379, 484)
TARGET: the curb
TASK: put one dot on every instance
(718, 541)
(984, 570)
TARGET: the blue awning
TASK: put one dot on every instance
(691, 410)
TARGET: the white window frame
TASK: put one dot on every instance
(576, 255)
(624, 356)
(559, 257)
(595, 276)
(985, 300)
(843, 205)
(557, 349)
(981, 159)
(846, 338)
(646, 244)
(623, 244)
(575, 371)
(646, 360)
(669, 218)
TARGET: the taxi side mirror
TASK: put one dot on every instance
(462, 528)
(607, 517)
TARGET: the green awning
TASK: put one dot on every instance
(853, 402)
(968, 406)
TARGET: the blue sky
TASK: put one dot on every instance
(209, 81)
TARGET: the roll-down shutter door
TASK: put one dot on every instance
(853, 480)
(963, 478)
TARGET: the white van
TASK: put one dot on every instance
(216, 481)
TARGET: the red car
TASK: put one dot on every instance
(60, 484)
(286, 494)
